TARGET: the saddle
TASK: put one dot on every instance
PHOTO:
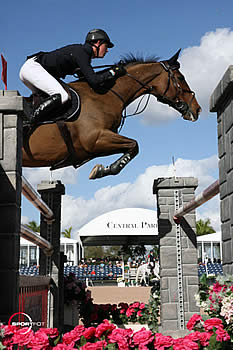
(67, 113)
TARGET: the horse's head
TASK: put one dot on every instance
(174, 90)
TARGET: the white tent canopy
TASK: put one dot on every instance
(212, 237)
(119, 227)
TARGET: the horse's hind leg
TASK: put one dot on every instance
(110, 143)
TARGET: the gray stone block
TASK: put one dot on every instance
(168, 272)
(190, 269)
(221, 92)
(222, 172)
(223, 190)
(164, 283)
(189, 256)
(164, 296)
(169, 311)
(227, 252)
(225, 210)
(229, 181)
(228, 121)
(168, 326)
(192, 290)
(226, 231)
(193, 280)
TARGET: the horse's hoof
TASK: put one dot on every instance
(97, 172)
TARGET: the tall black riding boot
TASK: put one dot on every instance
(49, 105)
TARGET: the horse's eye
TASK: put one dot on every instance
(181, 77)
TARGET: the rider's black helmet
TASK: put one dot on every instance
(98, 34)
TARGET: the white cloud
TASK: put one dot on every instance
(36, 175)
(78, 211)
(203, 67)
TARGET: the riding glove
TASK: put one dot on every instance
(118, 70)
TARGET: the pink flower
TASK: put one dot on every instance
(142, 306)
(136, 304)
(121, 337)
(51, 332)
(105, 326)
(73, 335)
(213, 322)
(161, 341)
(218, 287)
(204, 338)
(184, 344)
(65, 347)
(89, 332)
(23, 336)
(139, 313)
(193, 321)
(142, 338)
(39, 341)
(129, 312)
(9, 329)
(99, 345)
(222, 335)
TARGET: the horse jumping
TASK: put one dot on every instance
(144, 271)
(94, 133)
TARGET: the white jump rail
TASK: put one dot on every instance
(33, 237)
(203, 197)
(34, 197)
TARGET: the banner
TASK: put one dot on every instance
(4, 71)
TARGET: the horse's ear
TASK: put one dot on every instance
(173, 60)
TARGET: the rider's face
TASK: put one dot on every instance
(103, 49)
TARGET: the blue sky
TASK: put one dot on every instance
(201, 28)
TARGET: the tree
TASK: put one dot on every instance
(132, 251)
(203, 227)
(33, 226)
(94, 252)
(67, 232)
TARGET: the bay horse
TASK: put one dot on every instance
(95, 133)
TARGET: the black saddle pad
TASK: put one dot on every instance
(69, 111)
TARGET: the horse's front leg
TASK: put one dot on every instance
(110, 143)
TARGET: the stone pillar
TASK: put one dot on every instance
(177, 243)
(221, 101)
(51, 193)
(11, 107)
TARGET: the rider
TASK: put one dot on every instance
(42, 70)
(151, 260)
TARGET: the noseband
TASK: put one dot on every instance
(181, 106)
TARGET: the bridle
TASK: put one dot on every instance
(181, 106)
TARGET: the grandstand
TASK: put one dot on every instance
(210, 269)
(92, 273)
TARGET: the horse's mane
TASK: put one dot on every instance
(131, 59)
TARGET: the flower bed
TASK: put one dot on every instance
(210, 335)
(214, 331)
(217, 300)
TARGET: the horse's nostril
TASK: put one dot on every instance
(199, 110)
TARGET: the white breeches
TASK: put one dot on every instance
(35, 77)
